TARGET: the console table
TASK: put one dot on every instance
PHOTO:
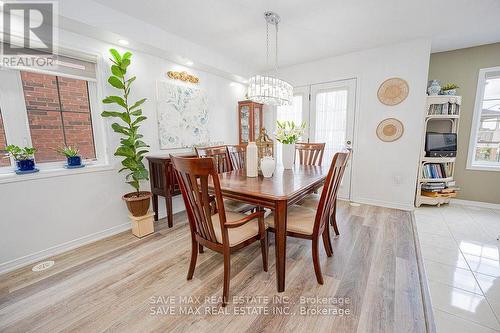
(164, 182)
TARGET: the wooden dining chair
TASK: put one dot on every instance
(237, 155)
(312, 202)
(310, 153)
(220, 156)
(312, 224)
(223, 163)
(223, 232)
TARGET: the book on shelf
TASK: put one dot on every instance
(450, 109)
(436, 170)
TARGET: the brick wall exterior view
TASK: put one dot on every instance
(3, 143)
(58, 114)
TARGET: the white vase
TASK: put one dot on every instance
(252, 160)
(267, 165)
(288, 155)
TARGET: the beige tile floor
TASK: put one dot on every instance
(462, 262)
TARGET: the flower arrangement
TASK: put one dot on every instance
(287, 132)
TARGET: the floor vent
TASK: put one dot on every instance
(43, 266)
(354, 204)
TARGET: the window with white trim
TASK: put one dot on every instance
(484, 147)
(51, 108)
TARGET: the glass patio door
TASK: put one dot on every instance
(331, 120)
(328, 110)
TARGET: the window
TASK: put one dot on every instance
(484, 147)
(3, 143)
(48, 109)
(289, 113)
(58, 114)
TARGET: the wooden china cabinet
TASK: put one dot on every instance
(250, 116)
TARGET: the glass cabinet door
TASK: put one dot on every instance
(244, 123)
(256, 122)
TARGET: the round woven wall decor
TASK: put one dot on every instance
(390, 129)
(393, 91)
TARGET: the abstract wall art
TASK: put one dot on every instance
(182, 115)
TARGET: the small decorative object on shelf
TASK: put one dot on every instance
(252, 160)
(434, 88)
(288, 133)
(72, 154)
(449, 89)
(435, 185)
(132, 149)
(267, 165)
(24, 158)
(265, 145)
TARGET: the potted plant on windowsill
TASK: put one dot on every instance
(288, 134)
(74, 160)
(24, 157)
(132, 148)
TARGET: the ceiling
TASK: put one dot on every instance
(316, 29)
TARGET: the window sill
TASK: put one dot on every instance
(482, 168)
(12, 177)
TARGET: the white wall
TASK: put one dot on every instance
(45, 216)
(383, 173)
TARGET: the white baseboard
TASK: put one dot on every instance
(58, 249)
(475, 203)
(393, 205)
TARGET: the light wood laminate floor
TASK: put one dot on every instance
(123, 284)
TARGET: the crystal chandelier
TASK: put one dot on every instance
(269, 89)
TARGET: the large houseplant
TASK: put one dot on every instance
(131, 148)
(288, 133)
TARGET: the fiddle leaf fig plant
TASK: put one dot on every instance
(131, 148)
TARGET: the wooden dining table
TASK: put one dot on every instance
(285, 188)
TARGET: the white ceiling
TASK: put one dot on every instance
(314, 29)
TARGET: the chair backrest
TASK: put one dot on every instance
(310, 153)
(237, 154)
(193, 175)
(330, 190)
(220, 156)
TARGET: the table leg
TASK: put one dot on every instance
(155, 206)
(170, 215)
(280, 235)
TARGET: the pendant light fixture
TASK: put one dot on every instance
(269, 89)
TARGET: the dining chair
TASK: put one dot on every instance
(223, 163)
(312, 202)
(224, 232)
(237, 155)
(310, 153)
(306, 223)
(220, 156)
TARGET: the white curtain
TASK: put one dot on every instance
(331, 117)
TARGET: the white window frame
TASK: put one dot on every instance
(16, 126)
(476, 121)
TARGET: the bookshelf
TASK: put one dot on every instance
(442, 115)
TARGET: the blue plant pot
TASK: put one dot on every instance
(74, 161)
(26, 165)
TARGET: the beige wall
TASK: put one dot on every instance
(462, 67)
